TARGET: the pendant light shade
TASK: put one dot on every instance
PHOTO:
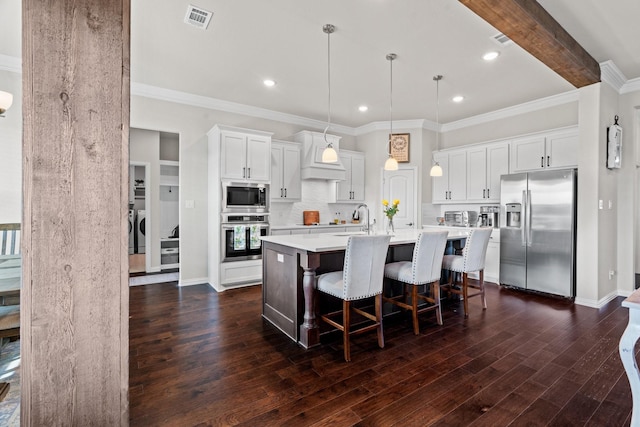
(436, 170)
(391, 164)
(6, 99)
(329, 155)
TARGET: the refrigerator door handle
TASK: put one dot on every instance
(523, 222)
(528, 218)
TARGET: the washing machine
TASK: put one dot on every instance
(132, 229)
(141, 220)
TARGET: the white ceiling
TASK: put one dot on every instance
(249, 40)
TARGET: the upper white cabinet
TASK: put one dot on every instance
(485, 165)
(285, 171)
(351, 189)
(245, 155)
(552, 150)
(452, 185)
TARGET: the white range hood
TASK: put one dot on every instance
(312, 167)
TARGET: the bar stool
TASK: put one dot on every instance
(472, 259)
(423, 270)
(361, 277)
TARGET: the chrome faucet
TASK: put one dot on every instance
(367, 226)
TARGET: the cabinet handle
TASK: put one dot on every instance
(484, 193)
(285, 192)
(488, 196)
(281, 192)
(244, 172)
(542, 161)
(248, 172)
(548, 161)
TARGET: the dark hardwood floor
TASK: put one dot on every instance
(202, 358)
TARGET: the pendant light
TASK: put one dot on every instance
(329, 155)
(436, 170)
(6, 99)
(391, 164)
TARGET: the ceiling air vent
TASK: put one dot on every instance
(198, 17)
(501, 39)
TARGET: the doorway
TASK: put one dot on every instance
(402, 185)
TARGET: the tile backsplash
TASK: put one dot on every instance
(317, 195)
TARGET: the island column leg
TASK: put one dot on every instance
(309, 330)
(628, 357)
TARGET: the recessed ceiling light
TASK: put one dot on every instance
(458, 98)
(363, 108)
(269, 82)
(490, 56)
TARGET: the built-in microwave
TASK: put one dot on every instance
(242, 197)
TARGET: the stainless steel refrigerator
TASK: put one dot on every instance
(537, 231)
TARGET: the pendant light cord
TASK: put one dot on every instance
(390, 58)
(437, 79)
(328, 28)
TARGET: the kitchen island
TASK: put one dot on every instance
(289, 267)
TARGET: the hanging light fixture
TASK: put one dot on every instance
(329, 155)
(436, 170)
(6, 99)
(391, 164)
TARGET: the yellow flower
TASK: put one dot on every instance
(385, 202)
(396, 202)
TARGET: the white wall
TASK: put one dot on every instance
(11, 151)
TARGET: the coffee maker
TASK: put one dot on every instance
(490, 216)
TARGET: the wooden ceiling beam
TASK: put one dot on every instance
(529, 25)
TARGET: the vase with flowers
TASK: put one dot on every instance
(390, 211)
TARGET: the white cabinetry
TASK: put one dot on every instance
(285, 172)
(245, 156)
(485, 165)
(552, 150)
(452, 185)
(352, 189)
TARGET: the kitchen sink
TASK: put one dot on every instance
(355, 233)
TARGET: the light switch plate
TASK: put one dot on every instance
(189, 204)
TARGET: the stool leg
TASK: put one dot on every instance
(346, 320)
(378, 308)
(465, 294)
(435, 289)
(484, 299)
(414, 309)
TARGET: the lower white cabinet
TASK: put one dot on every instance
(241, 272)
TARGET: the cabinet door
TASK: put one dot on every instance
(343, 188)
(477, 174)
(492, 262)
(528, 154)
(458, 176)
(357, 178)
(562, 150)
(291, 173)
(258, 158)
(233, 155)
(497, 165)
(440, 184)
(277, 165)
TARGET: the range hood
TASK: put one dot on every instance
(312, 167)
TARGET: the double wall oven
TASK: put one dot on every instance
(245, 218)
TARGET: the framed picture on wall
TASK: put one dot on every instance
(399, 146)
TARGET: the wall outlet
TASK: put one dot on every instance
(600, 204)
(611, 274)
(189, 204)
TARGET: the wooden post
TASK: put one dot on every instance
(75, 171)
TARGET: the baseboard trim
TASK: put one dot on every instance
(192, 282)
(597, 303)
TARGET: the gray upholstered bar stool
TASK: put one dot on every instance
(361, 277)
(423, 270)
(472, 259)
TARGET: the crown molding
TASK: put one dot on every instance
(397, 126)
(631, 86)
(10, 63)
(527, 107)
(611, 74)
(170, 95)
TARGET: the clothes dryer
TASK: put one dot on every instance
(141, 220)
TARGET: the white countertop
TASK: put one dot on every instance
(332, 242)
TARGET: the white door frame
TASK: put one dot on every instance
(147, 209)
(415, 192)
